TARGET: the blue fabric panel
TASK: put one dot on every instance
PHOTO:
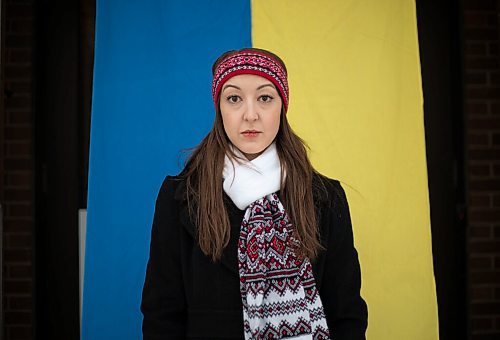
(152, 99)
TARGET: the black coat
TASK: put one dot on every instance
(186, 295)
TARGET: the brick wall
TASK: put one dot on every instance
(482, 114)
(18, 174)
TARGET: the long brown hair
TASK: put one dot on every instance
(205, 198)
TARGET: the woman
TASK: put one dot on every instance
(249, 241)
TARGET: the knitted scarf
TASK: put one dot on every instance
(278, 291)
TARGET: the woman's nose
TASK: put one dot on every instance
(251, 111)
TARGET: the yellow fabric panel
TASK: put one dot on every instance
(356, 98)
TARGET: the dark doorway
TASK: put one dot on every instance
(439, 28)
(63, 63)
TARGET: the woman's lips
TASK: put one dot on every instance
(250, 133)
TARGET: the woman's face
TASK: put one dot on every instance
(250, 107)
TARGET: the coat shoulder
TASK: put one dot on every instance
(173, 187)
(328, 191)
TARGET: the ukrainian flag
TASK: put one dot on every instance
(355, 97)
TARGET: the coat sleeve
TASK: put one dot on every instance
(345, 309)
(163, 299)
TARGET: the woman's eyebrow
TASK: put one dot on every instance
(230, 85)
(262, 86)
(238, 88)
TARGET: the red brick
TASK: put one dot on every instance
(484, 154)
(479, 200)
(493, 48)
(496, 139)
(22, 210)
(497, 265)
(484, 247)
(16, 240)
(494, 335)
(24, 10)
(18, 225)
(480, 263)
(17, 150)
(485, 308)
(17, 318)
(17, 256)
(480, 231)
(18, 287)
(18, 71)
(20, 302)
(19, 210)
(479, 5)
(482, 63)
(19, 117)
(482, 323)
(21, 26)
(21, 86)
(484, 184)
(19, 179)
(18, 195)
(494, 78)
(18, 103)
(476, 78)
(476, 19)
(20, 272)
(476, 108)
(481, 33)
(485, 216)
(480, 170)
(481, 293)
(475, 48)
(484, 277)
(483, 93)
(496, 170)
(484, 123)
(18, 40)
(24, 332)
(18, 133)
(18, 163)
(19, 57)
(493, 19)
(495, 108)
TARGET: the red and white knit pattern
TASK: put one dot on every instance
(279, 294)
(251, 62)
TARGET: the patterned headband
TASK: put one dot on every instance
(251, 62)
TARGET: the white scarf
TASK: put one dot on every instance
(251, 180)
(278, 292)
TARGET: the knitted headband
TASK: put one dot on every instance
(251, 62)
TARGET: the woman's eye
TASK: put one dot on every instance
(233, 99)
(265, 98)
